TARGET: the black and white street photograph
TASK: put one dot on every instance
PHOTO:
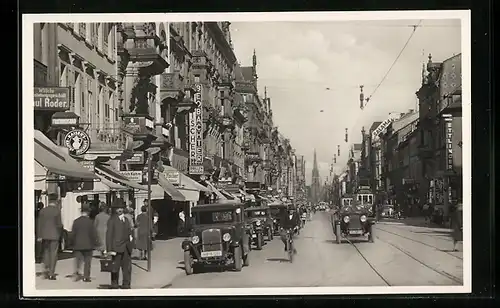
(246, 154)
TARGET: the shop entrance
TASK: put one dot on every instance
(168, 217)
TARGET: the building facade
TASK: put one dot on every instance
(440, 132)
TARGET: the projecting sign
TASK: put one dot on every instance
(51, 98)
(136, 159)
(77, 141)
(173, 177)
(381, 128)
(132, 176)
(196, 134)
(449, 142)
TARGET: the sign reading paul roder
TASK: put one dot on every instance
(196, 134)
(51, 98)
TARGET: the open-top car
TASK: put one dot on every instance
(218, 237)
(262, 224)
(275, 215)
(353, 221)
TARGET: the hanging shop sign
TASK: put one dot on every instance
(173, 176)
(380, 129)
(65, 119)
(77, 141)
(133, 176)
(196, 134)
(51, 98)
(449, 142)
(136, 159)
(138, 124)
(88, 164)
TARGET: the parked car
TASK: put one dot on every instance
(218, 237)
(353, 221)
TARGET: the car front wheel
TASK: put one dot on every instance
(238, 264)
(188, 262)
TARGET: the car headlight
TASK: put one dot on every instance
(274, 220)
(195, 239)
(362, 218)
(346, 219)
(226, 237)
(257, 222)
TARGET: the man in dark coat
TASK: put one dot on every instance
(119, 244)
(84, 239)
(49, 233)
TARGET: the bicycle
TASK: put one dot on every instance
(289, 244)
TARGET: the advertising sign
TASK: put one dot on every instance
(51, 98)
(449, 142)
(383, 126)
(173, 177)
(138, 124)
(133, 176)
(136, 159)
(65, 121)
(88, 164)
(196, 134)
(77, 141)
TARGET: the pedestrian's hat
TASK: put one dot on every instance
(118, 203)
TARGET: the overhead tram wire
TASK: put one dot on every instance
(386, 74)
(394, 63)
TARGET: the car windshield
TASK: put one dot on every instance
(205, 218)
(256, 213)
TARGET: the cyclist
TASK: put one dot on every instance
(287, 226)
(304, 217)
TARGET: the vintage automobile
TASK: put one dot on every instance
(262, 224)
(353, 221)
(275, 215)
(218, 237)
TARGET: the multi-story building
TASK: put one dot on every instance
(440, 132)
(354, 165)
(401, 162)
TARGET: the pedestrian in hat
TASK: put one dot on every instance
(119, 244)
(84, 239)
(49, 234)
(143, 230)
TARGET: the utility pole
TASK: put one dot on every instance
(150, 214)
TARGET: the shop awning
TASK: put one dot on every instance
(55, 160)
(106, 185)
(215, 191)
(170, 189)
(115, 177)
(227, 195)
(190, 195)
(187, 182)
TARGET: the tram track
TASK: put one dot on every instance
(420, 242)
(411, 256)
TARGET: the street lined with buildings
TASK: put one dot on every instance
(158, 141)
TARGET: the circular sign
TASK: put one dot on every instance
(77, 141)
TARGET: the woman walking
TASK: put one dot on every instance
(457, 226)
(101, 223)
(143, 232)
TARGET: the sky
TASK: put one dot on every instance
(298, 61)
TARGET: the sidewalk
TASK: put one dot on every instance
(165, 259)
(418, 221)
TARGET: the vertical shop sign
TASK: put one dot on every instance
(196, 134)
(449, 143)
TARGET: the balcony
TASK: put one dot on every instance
(145, 52)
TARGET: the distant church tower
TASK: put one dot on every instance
(315, 182)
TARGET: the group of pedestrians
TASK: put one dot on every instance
(114, 232)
